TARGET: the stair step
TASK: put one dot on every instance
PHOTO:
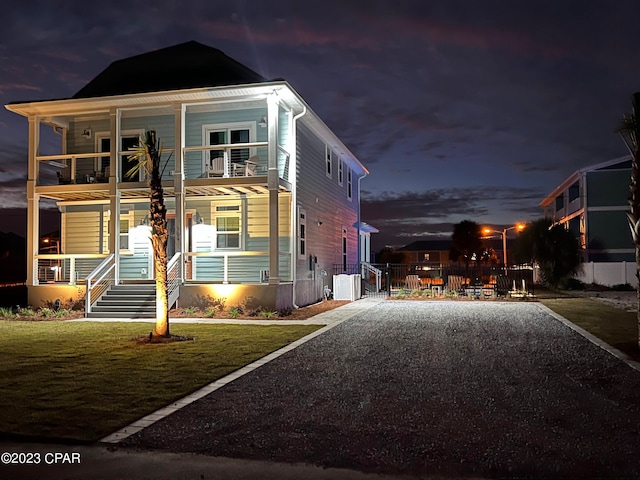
(120, 315)
(123, 308)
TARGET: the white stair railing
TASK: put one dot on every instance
(174, 278)
(368, 271)
(99, 281)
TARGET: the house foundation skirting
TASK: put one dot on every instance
(267, 296)
(39, 295)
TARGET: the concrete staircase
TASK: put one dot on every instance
(136, 300)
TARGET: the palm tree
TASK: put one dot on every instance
(148, 154)
(630, 132)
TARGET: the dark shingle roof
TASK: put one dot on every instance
(183, 66)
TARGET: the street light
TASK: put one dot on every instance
(519, 227)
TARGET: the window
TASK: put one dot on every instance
(559, 202)
(329, 154)
(228, 134)
(349, 185)
(344, 249)
(226, 220)
(302, 233)
(340, 172)
(574, 191)
(129, 140)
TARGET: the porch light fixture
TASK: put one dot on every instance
(86, 133)
(262, 122)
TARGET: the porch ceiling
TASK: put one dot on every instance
(230, 186)
(196, 187)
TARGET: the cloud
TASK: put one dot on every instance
(412, 215)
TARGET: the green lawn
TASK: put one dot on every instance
(83, 380)
(615, 326)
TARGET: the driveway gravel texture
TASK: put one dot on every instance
(464, 389)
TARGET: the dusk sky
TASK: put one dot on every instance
(460, 109)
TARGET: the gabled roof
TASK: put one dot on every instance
(183, 66)
(616, 163)
(427, 245)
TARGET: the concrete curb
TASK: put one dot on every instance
(592, 338)
(332, 318)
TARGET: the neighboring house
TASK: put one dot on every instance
(262, 197)
(437, 251)
(593, 203)
(427, 251)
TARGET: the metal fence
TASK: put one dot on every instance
(387, 280)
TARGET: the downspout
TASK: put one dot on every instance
(294, 203)
(359, 225)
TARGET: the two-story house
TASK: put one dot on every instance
(262, 197)
(592, 202)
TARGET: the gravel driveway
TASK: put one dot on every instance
(428, 388)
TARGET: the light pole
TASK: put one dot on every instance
(518, 227)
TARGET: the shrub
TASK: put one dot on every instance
(46, 312)
(427, 293)
(623, 287)
(202, 302)
(210, 312)
(285, 311)
(569, 283)
(415, 292)
(251, 303)
(6, 312)
(402, 293)
(190, 310)
(234, 312)
(255, 312)
(267, 313)
(26, 312)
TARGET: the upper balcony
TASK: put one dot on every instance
(225, 170)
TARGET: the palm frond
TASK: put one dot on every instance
(140, 154)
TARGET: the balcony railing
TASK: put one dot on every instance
(66, 268)
(236, 160)
(225, 267)
(234, 267)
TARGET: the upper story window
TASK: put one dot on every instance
(559, 202)
(349, 184)
(574, 191)
(340, 167)
(129, 140)
(329, 155)
(228, 134)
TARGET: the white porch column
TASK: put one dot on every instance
(114, 192)
(178, 182)
(272, 184)
(33, 202)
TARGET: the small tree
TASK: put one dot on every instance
(555, 249)
(629, 129)
(466, 242)
(148, 154)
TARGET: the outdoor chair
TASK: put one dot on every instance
(455, 283)
(412, 282)
(215, 169)
(246, 169)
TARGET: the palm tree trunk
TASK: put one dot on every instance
(159, 235)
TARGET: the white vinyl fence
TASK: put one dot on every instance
(608, 273)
